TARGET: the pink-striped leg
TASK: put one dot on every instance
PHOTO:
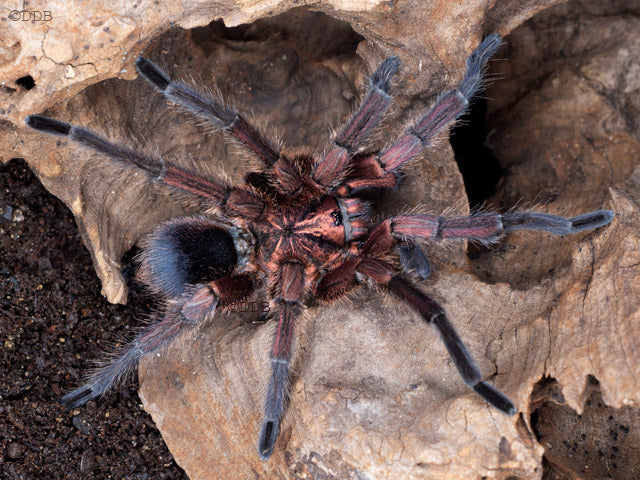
(448, 107)
(432, 313)
(382, 273)
(209, 108)
(366, 173)
(197, 304)
(233, 201)
(374, 271)
(282, 174)
(482, 227)
(288, 308)
(330, 169)
(489, 227)
(380, 170)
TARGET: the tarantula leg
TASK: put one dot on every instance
(124, 362)
(373, 106)
(558, 225)
(447, 108)
(488, 227)
(366, 173)
(382, 273)
(233, 201)
(210, 108)
(197, 304)
(279, 381)
(413, 261)
(201, 300)
(337, 282)
(453, 103)
(288, 308)
(359, 126)
(379, 272)
(153, 166)
(463, 360)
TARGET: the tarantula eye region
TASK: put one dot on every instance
(337, 218)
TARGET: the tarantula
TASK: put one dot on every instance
(300, 228)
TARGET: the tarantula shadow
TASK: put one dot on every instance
(299, 228)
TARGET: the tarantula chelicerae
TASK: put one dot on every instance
(300, 229)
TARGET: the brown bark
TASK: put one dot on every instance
(374, 394)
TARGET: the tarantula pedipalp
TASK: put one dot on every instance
(300, 228)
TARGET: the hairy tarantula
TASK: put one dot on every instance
(299, 228)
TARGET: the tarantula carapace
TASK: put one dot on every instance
(300, 228)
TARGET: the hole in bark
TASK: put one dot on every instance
(549, 160)
(26, 82)
(603, 442)
(480, 169)
(129, 265)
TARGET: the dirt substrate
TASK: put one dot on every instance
(53, 322)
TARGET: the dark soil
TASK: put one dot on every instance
(53, 322)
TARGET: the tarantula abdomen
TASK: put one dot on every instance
(187, 251)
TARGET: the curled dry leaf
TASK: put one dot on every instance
(375, 394)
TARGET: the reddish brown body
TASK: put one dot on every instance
(297, 228)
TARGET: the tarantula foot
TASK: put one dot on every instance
(152, 73)
(554, 224)
(485, 50)
(79, 397)
(268, 436)
(414, 261)
(47, 125)
(380, 79)
(495, 397)
(590, 220)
